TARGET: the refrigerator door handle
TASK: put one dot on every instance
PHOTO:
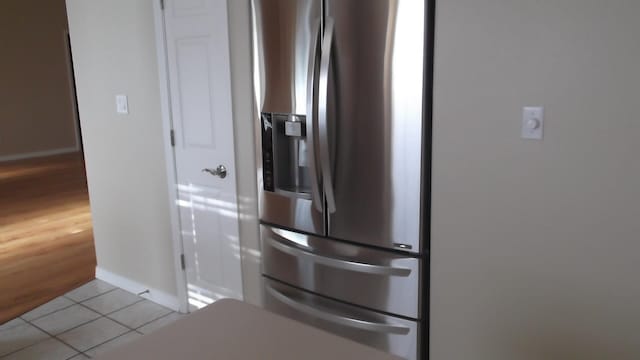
(337, 319)
(337, 263)
(311, 149)
(323, 126)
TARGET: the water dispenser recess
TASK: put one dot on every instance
(284, 155)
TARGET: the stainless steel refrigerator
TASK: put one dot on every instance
(344, 93)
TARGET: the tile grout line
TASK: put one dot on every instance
(91, 297)
(126, 326)
(47, 314)
(156, 319)
(30, 322)
(62, 308)
(55, 337)
(117, 322)
(85, 323)
(51, 336)
(76, 302)
(107, 315)
(101, 317)
(80, 303)
(112, 312)
(34, 344)
(93, 347)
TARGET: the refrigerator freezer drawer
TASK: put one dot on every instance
(375, 279)
(387, 333)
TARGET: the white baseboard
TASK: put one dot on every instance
(157, 296)
(38, 154)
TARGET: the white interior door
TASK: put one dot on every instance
(200, 91)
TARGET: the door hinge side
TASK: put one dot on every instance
(182, 262)
(172, 134)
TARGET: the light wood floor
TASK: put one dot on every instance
(46, 236)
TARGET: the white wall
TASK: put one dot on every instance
(114, 50)
(114, 43)
(244, 126)
(535, 245)
(37, 113)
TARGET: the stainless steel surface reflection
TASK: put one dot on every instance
(290, 212)
(375, 279)
(285, 33)
(283, 39)
(340, 90)
(391, 334)
(375, 102)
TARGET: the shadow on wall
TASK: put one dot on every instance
(38, 109)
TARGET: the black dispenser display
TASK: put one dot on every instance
(284, 155)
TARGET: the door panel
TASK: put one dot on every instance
(187, 8)
(199, 80)
(375, 107)
(195, 92)
(387, 333)
(383, 281)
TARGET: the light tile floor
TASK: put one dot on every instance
(82, 324)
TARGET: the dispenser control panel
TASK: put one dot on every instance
(267, 152)
(285, 155)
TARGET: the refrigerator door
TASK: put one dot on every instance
(284, 32)
(379, 280)
(286, 36)
(375, 120)
(388, 333)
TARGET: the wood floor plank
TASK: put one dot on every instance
(46, 235)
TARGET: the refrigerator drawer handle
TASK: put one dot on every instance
(323, 126)
(340, 264)
(337, 319)
(310, 123)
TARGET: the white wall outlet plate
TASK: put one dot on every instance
(122, 104)
(532, 122)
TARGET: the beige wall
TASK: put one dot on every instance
(535, 245)
(114, 51)
(36, 112)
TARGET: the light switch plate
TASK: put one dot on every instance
(532, 122)
(122, 104)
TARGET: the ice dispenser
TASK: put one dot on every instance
(284, 155)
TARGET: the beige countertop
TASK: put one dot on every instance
(230, 329)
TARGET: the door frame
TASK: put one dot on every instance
(167, 127)
(74, 91)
